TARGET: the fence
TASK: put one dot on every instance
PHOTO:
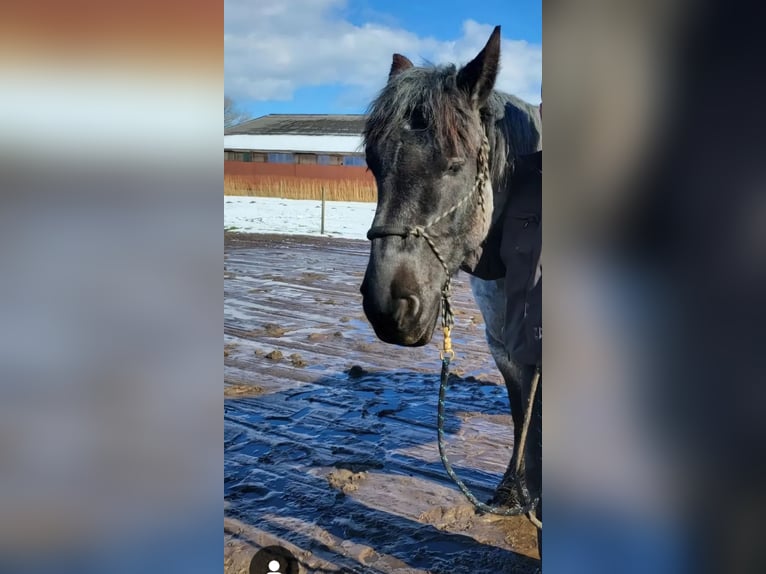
(301, 188)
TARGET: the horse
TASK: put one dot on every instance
(442, 144)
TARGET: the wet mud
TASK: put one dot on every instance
(330, 449)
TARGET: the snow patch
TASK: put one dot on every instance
(297, 216)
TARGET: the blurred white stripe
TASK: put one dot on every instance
(58, 115)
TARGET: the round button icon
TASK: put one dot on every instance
(273, 560)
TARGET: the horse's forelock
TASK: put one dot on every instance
(433, 92)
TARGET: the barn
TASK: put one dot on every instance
(299, 155)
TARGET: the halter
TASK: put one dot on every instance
(425, 231)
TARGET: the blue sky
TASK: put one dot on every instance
(520, 19)
(332, 56)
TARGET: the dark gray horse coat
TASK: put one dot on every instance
(513, 251)
(424, 139)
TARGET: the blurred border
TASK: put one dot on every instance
(655, 213)
(110, 232)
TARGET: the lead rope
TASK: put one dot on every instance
(447, 354)
(523, 440)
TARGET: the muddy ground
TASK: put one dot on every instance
(330, 434)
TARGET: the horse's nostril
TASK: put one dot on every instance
(406, 309)
(414, 305)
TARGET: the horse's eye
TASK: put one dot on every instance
(417, 120)
(455, 165)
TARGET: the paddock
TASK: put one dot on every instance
(330, 434)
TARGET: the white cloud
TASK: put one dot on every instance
(271, 49)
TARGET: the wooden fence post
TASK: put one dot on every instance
(322, 228)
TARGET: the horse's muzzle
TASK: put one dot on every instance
(398, 316)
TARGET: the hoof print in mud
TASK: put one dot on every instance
(275, 355)
(458, 517)
(274, 330)
(345, 480)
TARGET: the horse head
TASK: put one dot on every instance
(427, 147)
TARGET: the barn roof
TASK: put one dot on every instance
(294, 143)
(302, 125)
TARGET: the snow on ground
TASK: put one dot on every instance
(297, 216)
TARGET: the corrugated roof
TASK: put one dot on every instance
(302, 124)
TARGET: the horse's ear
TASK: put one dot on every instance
(477, 77)
(399, 64)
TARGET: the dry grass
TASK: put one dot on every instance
(300, 188)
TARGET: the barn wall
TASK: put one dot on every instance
(247, 170)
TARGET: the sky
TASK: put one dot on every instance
(333, 56)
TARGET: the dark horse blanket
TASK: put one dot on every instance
(513, 250)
